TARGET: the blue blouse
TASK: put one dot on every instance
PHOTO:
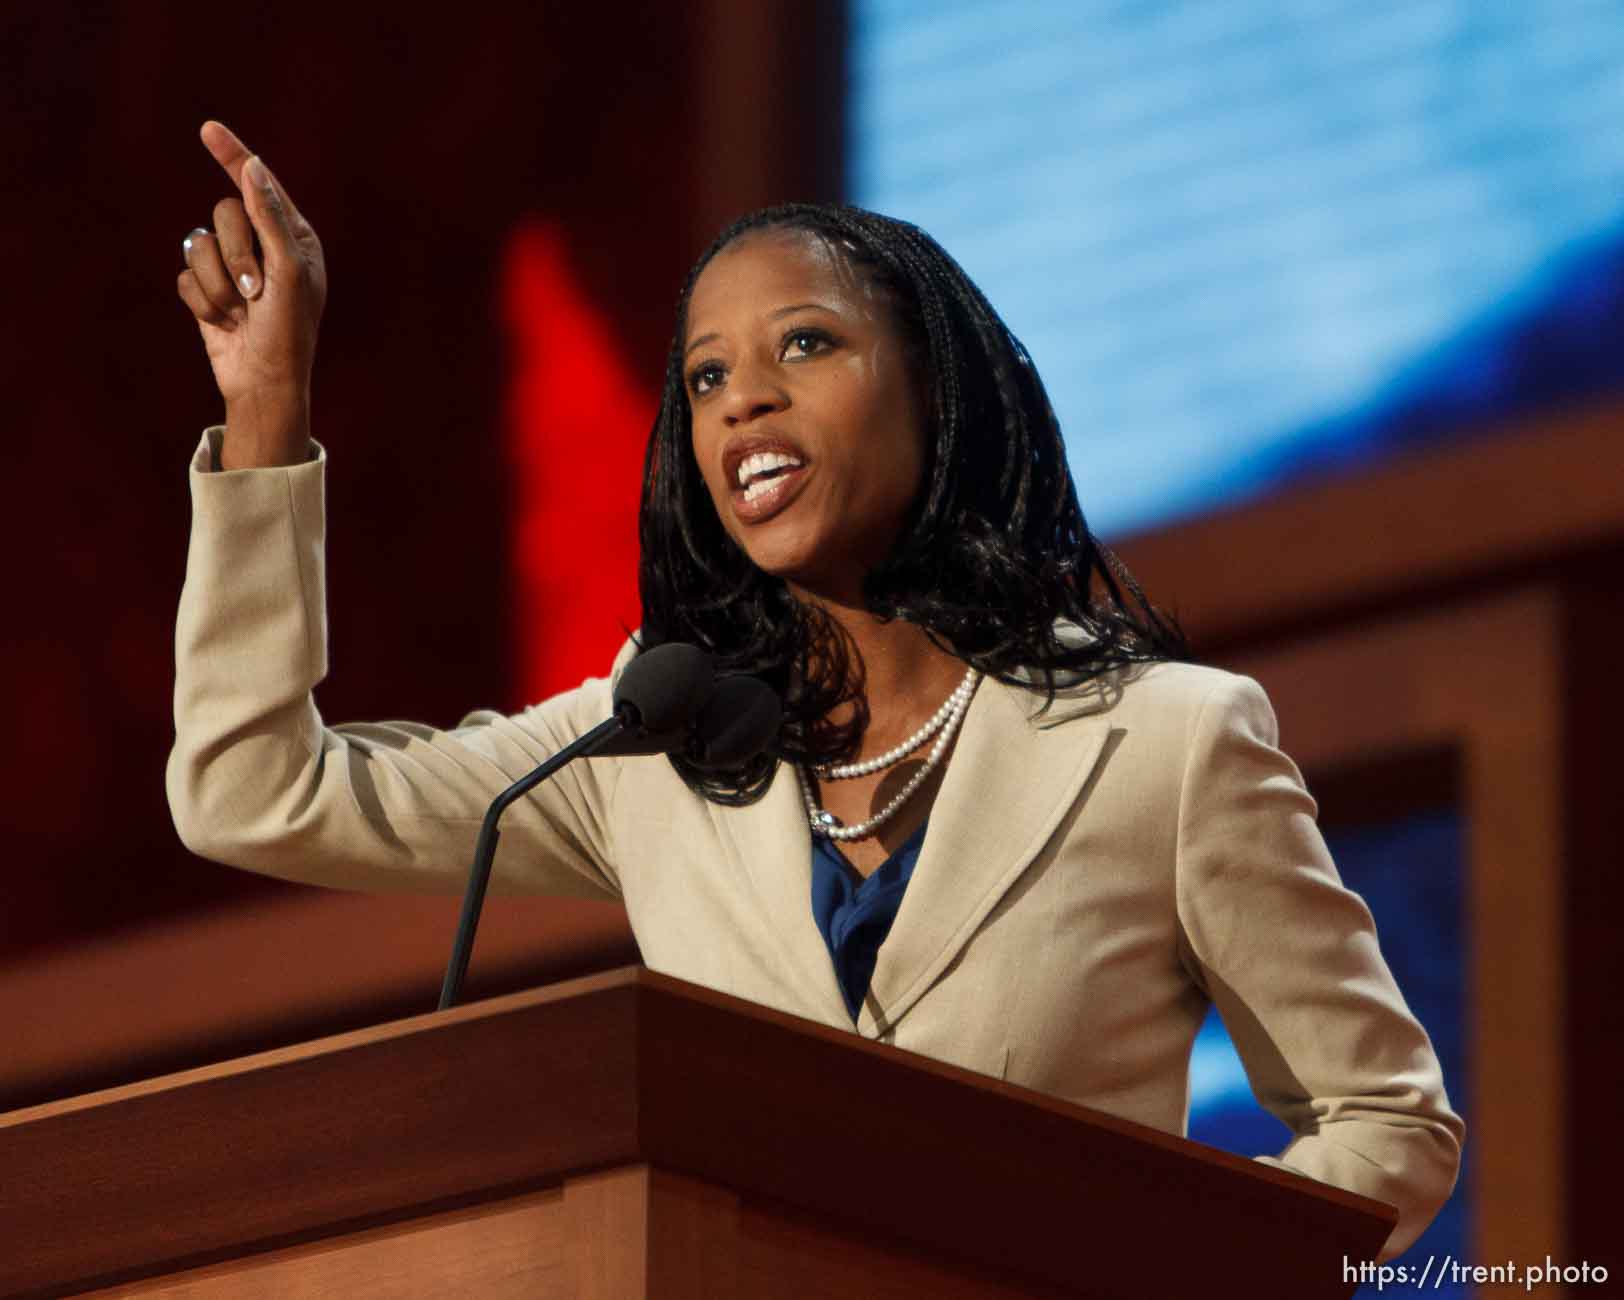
(853, 914)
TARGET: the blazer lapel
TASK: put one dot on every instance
(1012, 777)
(771, 843)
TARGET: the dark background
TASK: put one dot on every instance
(414, 148)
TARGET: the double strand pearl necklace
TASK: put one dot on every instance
(942, 725)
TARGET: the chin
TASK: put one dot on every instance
(797, 551)
(804, 573)
(786, 553)
(789, 563)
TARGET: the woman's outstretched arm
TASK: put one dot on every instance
(255, 778)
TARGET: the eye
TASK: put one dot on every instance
(804, 343)
(704, 377)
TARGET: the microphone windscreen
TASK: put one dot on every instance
(737, 722)
(666, 686)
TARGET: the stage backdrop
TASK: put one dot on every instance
(509, 198)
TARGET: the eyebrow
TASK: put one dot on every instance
(774, 315)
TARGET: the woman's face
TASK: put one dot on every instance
(807, 418)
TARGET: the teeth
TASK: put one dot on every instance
(761, 463)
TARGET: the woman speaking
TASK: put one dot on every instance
(1002, 824)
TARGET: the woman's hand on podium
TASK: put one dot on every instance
(258, 321)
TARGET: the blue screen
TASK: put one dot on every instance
(1255, 240)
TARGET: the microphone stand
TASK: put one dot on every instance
(485, 849)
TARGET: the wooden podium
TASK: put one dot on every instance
(631, 1135)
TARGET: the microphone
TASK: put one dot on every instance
(736, 723)
(656, 701)
(738, 720)
(665, 688)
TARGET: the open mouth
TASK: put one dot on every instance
(759, 472)
(766, 482)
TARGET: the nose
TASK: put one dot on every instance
(752, 391)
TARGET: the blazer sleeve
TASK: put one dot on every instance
(1290, 957)
(256, 780)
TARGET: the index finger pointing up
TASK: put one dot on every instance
(230, 152)
(276, 221)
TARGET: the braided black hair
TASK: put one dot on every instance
(995, 552)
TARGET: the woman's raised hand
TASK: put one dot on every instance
(259, 321)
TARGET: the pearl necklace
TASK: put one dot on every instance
(945, 722)
(955, 701)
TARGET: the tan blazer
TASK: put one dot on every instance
(1089, 878)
